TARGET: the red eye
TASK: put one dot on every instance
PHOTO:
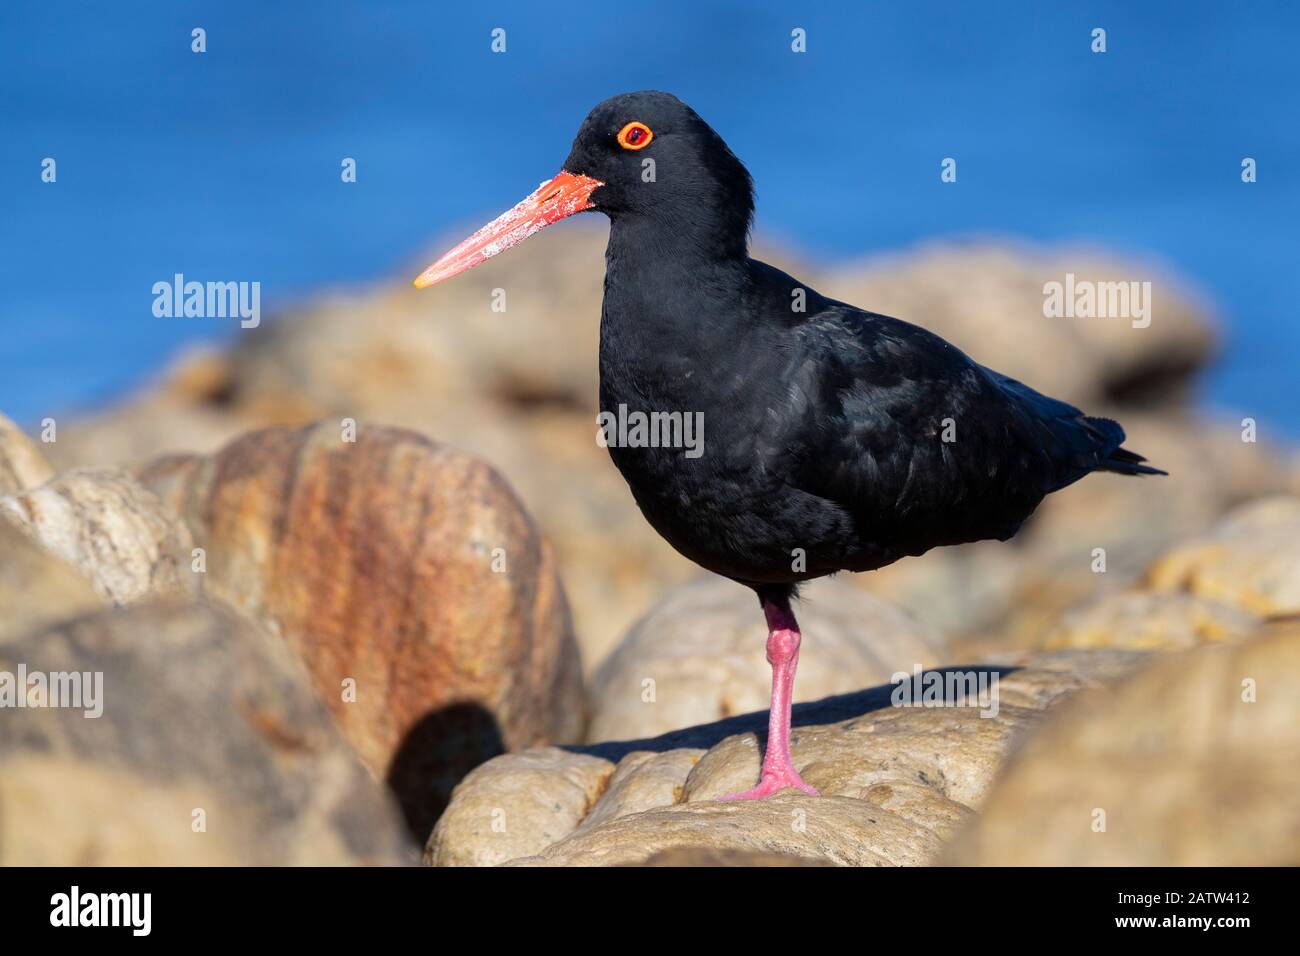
(635, 136)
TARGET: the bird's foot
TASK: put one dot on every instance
(772, 782)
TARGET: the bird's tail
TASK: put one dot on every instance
(1125, 462)
(1117, 459)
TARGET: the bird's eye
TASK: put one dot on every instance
(635, 136)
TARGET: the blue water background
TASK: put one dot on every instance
(225, 165)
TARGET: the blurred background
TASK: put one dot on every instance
(226, 165)
(370, 561)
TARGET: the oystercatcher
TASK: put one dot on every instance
(834, 439)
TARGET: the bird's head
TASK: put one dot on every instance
(644, 157)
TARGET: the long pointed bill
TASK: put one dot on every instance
(564, 195)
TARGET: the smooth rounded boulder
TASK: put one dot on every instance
(408, 579)
(1192, 761)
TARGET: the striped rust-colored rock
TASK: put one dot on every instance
(402, 568)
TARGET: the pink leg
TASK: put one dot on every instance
(783, 654)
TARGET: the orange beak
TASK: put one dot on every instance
(552, 201)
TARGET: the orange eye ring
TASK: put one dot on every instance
(635, 136)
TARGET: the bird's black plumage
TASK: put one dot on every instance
(824, 425)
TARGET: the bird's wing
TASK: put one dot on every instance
(901, 428)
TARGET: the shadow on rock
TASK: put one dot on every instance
(828, 710)
(435, 755)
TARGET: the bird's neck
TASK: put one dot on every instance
(671, 313)
(666, 283)
(691, 228)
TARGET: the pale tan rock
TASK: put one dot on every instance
(682, 856)
(1172, 767)
(37, 590)
(1042, 678)
(22, 464)
(643, 781)
(1250, 560)
(197, 711)
(830, 829)
(145, 428)
(895, 781)
(112, 529)
(69, 812)
(1141, 621)
(700, 655)
(517, 805)
(954, 590)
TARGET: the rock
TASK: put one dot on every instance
(37, 589)
(403, 573)
(1250, 560)
(66, 812)
(145, 428)
(682, 856)
(643, 780)
(548, 792)
(209, 748)
(955, 590)
(112, 529)
(895, 781)
(704, 647)
(830, 829)
(22, 465)
(1184, 769)
(1146, 622)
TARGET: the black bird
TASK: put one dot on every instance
(836, 439)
